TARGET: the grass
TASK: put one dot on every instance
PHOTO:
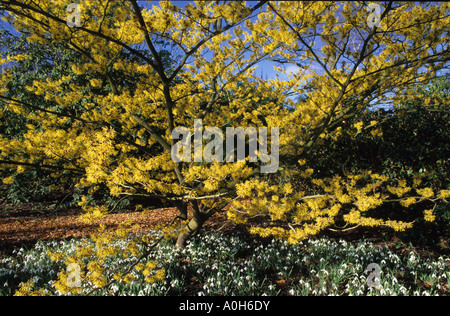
(233, 264)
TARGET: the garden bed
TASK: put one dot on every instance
(232, 264)
(226, 260)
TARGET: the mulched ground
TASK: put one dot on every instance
(25, 226)
(25, 229)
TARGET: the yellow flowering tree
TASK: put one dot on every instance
(117, 133)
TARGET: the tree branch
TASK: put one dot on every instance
(82, 28)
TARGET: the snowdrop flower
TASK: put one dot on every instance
(403, 290)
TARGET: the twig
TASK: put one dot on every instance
(343, 230)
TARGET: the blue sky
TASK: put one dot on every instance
(265, 68)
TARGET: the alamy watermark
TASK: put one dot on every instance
(257, 144)
(74, 18)
(374, 18)
(373, 279)
(74, 275)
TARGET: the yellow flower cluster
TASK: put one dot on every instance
(249, 187)
(152, 276)
(91, 258)
(93, 213)
(359, 126)
(408, 202)
(299, 216)
(170, 231)
(400, 190)
(429, 216)
(444, 194)
(26, 289)
(8, 180)
(425, 192)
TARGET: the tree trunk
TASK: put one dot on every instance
(192, 228)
